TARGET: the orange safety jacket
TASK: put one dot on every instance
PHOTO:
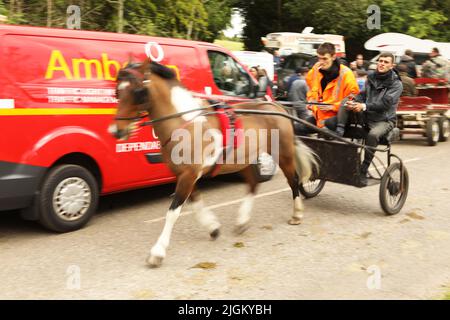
(335, 91)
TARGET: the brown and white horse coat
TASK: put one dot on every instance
(164, 96)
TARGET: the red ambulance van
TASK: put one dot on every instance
(57, 98)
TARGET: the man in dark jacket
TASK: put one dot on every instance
(375, 106)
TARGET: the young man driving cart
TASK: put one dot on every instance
(375, 108)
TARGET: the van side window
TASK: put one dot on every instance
(228, 75)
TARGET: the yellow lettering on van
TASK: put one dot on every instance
(57, 63)
(102, 67)
(106, 66)
(87, 68)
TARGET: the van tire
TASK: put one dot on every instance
(73, 182)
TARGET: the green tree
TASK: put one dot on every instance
(189, 19)
(181, 19)
(3, 10)
(138, 17)
(218, 16)
(261, 17)
(419, 18)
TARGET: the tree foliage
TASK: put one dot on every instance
(3, 10)
(419, 18)
(189, 19)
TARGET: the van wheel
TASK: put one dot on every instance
(68, 198)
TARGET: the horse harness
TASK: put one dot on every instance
(232, 134)
(230, 126)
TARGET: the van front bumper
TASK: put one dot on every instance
(18, 184)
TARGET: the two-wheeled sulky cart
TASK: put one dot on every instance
(340, 162)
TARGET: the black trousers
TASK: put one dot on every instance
(373, 130)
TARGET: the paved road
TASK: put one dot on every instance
(346, 247)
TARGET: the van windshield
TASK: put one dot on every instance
(229, 76)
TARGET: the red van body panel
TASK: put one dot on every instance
(57, 98)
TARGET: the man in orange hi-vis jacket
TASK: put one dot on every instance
(329, 82)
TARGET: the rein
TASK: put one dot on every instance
(179, 114)
(143, 115)
(296, 103)
(271, 113)
(285, 104)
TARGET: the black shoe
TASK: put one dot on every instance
(364, 168)
(363, 180)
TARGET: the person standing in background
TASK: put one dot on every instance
(297, 93)
(408, 60)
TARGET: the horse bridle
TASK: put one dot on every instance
(140, 96)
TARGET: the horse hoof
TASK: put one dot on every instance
(215, 234)
(241, 229)
(154, 261)
(295, 221)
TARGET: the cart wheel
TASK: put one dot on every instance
(392, 195)
(444, 128)
(432, 132)
(311, 188)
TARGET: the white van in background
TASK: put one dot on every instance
(254, 58)
(306, 42)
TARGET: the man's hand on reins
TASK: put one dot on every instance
(353, 106)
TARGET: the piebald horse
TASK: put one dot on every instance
(153, 89)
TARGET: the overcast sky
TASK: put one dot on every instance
(237, 23)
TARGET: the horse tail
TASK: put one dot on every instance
(305, 161)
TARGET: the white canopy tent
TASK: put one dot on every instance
(397, 43)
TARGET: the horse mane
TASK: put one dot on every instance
(162, 71)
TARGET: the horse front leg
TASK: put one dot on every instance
(185, 184)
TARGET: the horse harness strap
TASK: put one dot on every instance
(231, 138)
(228, 124)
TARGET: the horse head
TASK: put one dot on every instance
(133, 90)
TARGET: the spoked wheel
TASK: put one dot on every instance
(432, 132)
(311, 188)
(394, 188)
(444, 128)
